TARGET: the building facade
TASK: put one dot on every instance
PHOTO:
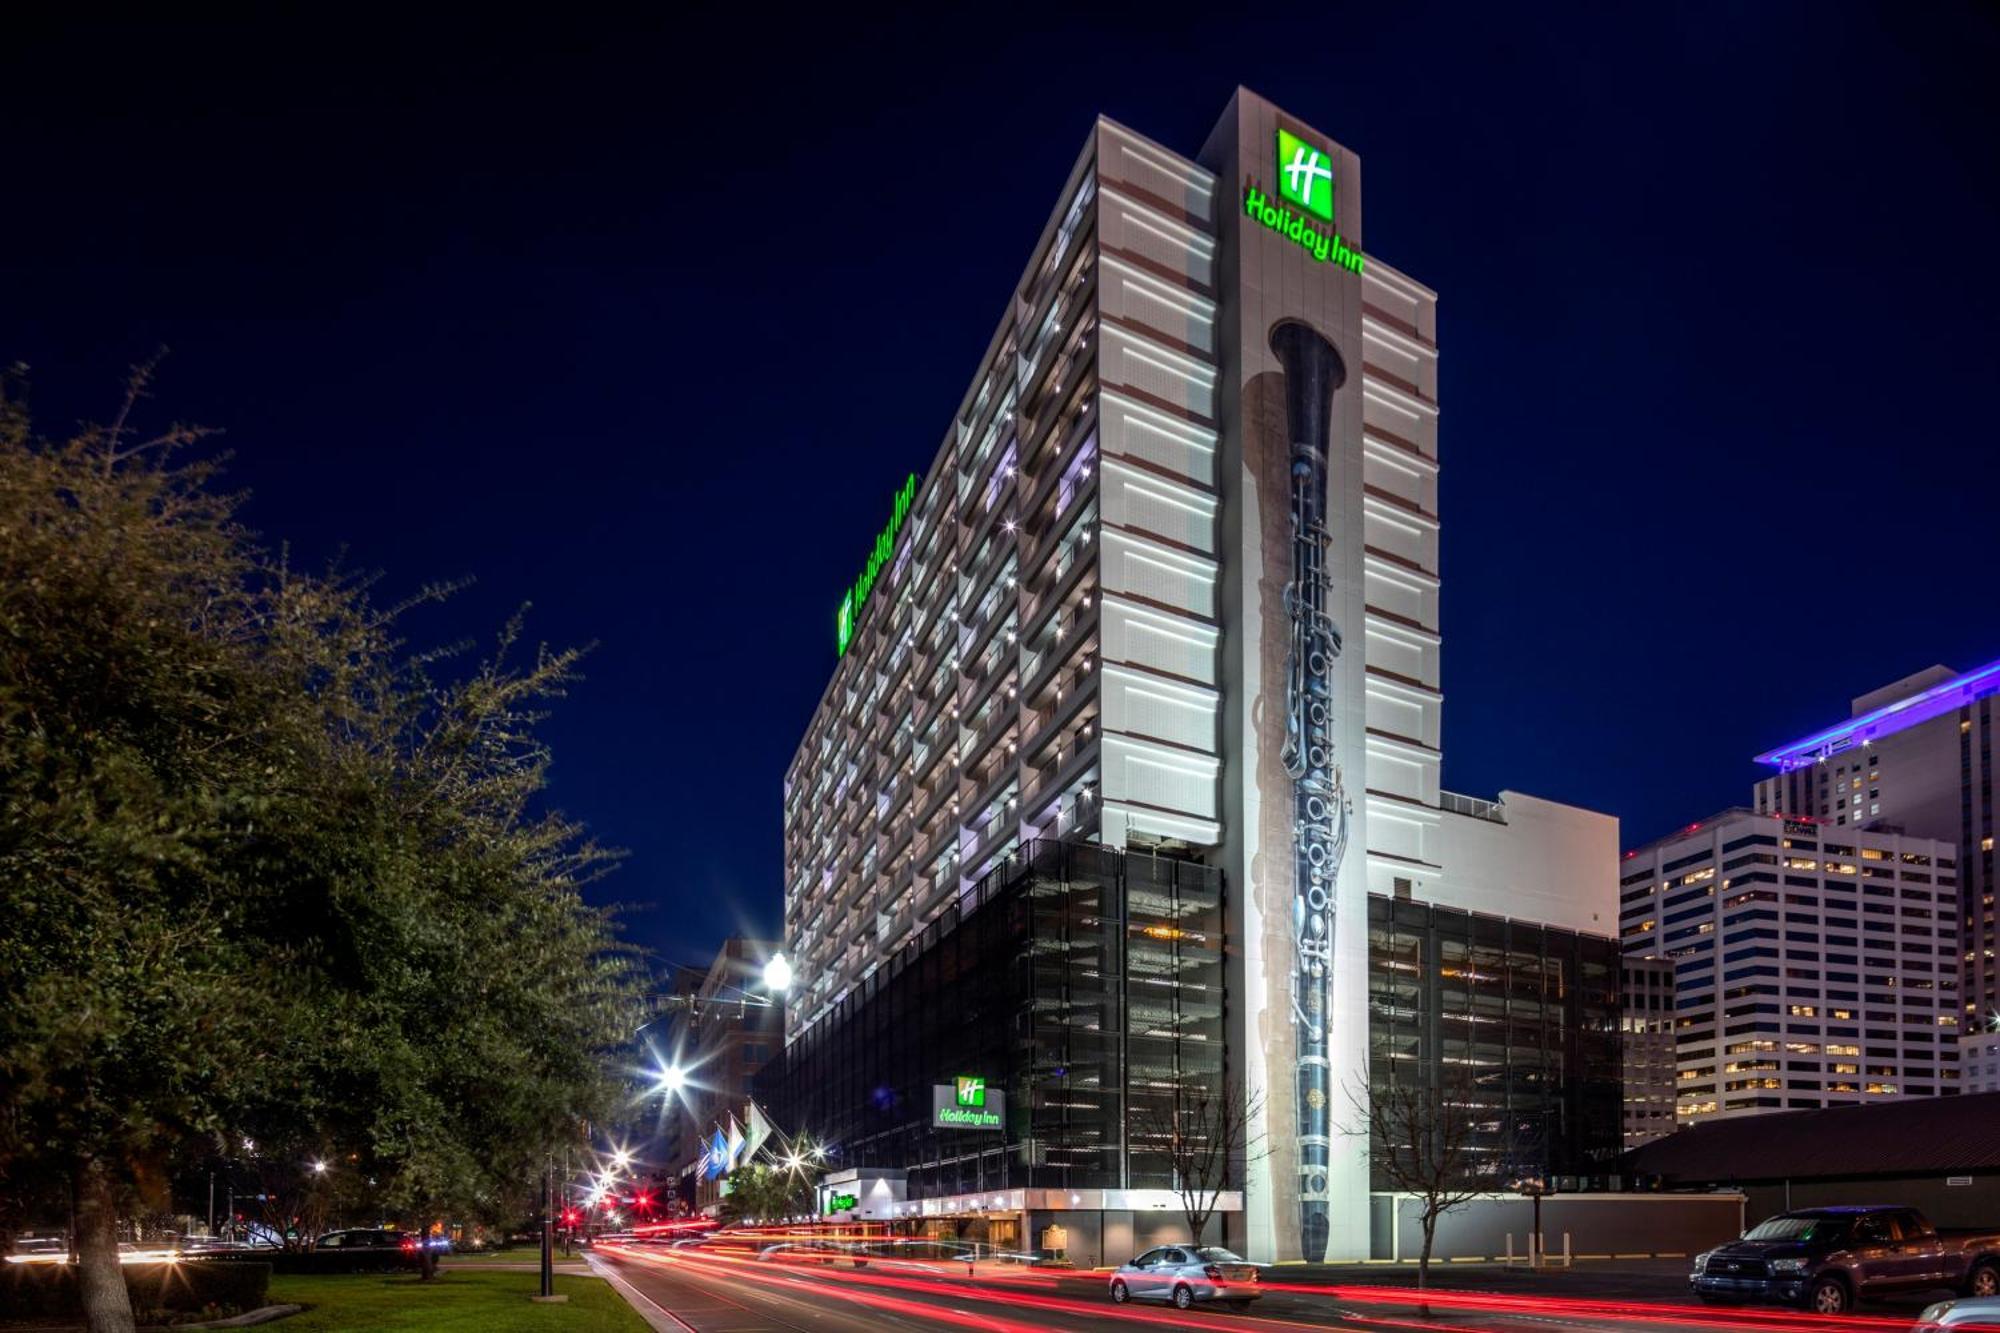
(721, 1031)
(1917, 757)
(1814, 965)
(1646, 1032)
(1514, 1020)
(1169, 586)
(1979, 1062)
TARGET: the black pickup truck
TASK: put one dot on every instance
(1828, 1258)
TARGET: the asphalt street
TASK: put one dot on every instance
(710, 1292)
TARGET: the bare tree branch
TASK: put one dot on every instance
(1428, 1142)
(1203, 1132)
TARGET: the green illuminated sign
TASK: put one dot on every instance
(967, 1103)
(885, 546)
(1305, 175)
(967, 1117)
(841, 1203)
(1323, 246)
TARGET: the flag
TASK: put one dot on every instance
(735, 1142)
(760, 1130)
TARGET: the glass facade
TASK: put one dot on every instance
(1081, 982)
(1520, 1018)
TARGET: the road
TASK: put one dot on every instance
(708, 1292)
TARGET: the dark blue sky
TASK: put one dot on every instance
(641, 324)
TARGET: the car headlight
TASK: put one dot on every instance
(1788, 1265)
(1701, 1262)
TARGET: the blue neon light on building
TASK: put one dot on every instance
(1887, 720)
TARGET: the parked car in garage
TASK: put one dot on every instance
(1187, 1275)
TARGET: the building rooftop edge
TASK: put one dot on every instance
(1886, 720)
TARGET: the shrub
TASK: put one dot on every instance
(50, 1290)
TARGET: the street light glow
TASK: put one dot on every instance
(777, 975)
(673, 1078)
(319, 1168)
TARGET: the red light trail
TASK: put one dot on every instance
(1006, 1289)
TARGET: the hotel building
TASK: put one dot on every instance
(1140, 677)
(1914, 757)
(1814, 965)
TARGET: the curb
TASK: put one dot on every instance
(250, 1319)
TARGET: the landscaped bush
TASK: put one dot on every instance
(33, 1290)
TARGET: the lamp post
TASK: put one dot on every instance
(548, 1240)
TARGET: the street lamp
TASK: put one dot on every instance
(319, 1168)
(777, 975)
(673, 1078)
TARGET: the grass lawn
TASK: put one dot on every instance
(470, 1302)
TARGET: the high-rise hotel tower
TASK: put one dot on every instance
(1169, 586)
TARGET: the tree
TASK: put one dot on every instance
(759, 1193)
(1202, 1128)
(1429, 1141)
(262, 872)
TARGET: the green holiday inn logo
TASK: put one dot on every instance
(1305, 178)
(971, 1091)
(1305, 175)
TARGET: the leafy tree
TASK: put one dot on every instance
(263, 874)
(760, 1193)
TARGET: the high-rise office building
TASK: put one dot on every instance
(1814, 965)
(1915, 756)
(1169, 585)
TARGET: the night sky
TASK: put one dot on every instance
(642, 324)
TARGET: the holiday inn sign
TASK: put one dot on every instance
(1305, 179)
(967, 1103)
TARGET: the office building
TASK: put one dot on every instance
(1915, 756)
(1814, 965)
(1646, 1033)
(1979, 1062)
(1169, 586)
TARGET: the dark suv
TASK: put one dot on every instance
(1828, 1258)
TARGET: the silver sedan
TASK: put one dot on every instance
(1970, 1313)
(1187, 1275)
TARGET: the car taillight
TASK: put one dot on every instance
(1213, 1273)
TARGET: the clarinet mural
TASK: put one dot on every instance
(1313, 371)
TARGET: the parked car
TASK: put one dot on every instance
(1828, 1258)
(364, 1247)
(1187, 1275)
(1973, 1312)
